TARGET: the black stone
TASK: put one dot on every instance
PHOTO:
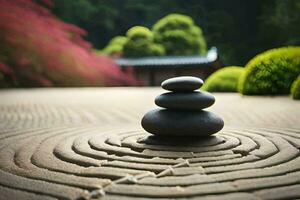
(182, 84)
(181, 123)
(187, 101)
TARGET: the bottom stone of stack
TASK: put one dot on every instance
(182, 123)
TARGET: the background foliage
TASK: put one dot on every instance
(271, 72)
(140, 43)
(179, 35)
(224, 80)
(239, 29)
(115, 46)
(295, 89)
(37, 49)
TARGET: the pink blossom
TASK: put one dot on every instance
(43, 51)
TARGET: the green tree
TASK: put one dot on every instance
(140, 43)
(98, 17)
(115, 46)
(280, 22)
(179, 35)
(239, 29)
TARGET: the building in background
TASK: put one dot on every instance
(153, 70)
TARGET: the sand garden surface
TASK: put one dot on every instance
(88, 144)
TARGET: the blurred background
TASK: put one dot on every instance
(251, 47)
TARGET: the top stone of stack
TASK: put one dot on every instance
(182, 84)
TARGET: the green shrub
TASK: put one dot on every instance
(139, 32)
(295, 89)
(156, 50)
(140, 43)
(121, 40)
(113, 50)
(271, 72)
(115, 46)
(223, 80)
(179, 35)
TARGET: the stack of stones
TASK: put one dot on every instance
(182, 113)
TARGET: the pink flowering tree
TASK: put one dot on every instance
(37, 49)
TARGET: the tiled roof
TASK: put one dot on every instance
(211, 56)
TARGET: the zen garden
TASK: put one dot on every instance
(140, 100)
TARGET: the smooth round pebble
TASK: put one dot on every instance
(187, 101)
(182, 84)
(181, 123)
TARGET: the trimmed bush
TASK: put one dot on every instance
(139, 32)
(224, 80)
(295, 89)
(115, 46)
(140, 43)
(179, 35)
(271, 72)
